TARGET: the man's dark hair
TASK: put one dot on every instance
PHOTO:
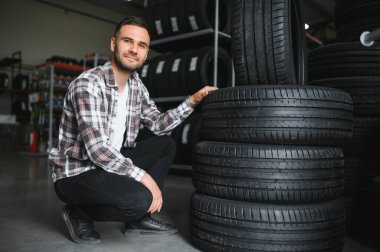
(132, 20)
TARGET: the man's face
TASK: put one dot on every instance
(130, 48)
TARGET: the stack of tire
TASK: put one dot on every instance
(353, 17)
(269, 171)
(184, 70)
(20, 102)
(186, 136)
(375, 186)
(354, 68)
(4, 81)
(168, 18)
(183, 31)
(184, 73)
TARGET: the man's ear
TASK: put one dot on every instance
(112, 45)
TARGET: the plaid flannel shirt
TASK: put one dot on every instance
(87, 121)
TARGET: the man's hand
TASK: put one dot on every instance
(200, 94)
(149, 182)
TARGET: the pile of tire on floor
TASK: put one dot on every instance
(355, 68)
(269, 170)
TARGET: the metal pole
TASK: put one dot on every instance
(233, 73)
(50, 143)
(216, 42)
(368, 38)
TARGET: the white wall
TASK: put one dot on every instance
(41, 31)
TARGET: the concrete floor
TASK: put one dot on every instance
(30, 214)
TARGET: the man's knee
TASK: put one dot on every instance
(169, 144)
(136, 206)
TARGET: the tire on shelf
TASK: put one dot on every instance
(149, 19)
(225, 225)
(268, 43)
(146, 74)
(364, 90)
(4, 81)
(351, 31)
(177, 73)
(156, 16)
(356, 173)
(20, 82)
(186, 136)
(375, 184)
(278, 115)
(352, 216)
(268, 173)
(344, 60)
(200, 67)
(347, 11)
(184, 73)
(177, 17)
(365, 140)
(375, 189)
(161, 20)
(159, 79)
(200, 14)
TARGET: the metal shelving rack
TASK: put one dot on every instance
(51, 97)
(51, 69)
(190, 35)
(16, 68)
(96, 58)
(217, 35)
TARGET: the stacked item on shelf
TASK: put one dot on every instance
(94, 59)
(14, 91)
(64, 63)
(4, 81)
(14, 63)
(186, 136)
(184, 73)
(62, 60)
(353, 17)
(354, 68)
(173, 17)
(195, 54)
(50, 82)
(21, 88)
(16, 85)
(269, 171)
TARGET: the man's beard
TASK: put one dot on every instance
(123, 67)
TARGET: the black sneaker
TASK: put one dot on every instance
(149, 225)
(81, 230)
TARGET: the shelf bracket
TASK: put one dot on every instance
(368, 38)
(216, 43)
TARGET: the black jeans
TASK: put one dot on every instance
(104, 196)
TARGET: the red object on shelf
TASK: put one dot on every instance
(66, 66)
(33, 146)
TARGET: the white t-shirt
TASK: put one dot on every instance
(120, 120)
